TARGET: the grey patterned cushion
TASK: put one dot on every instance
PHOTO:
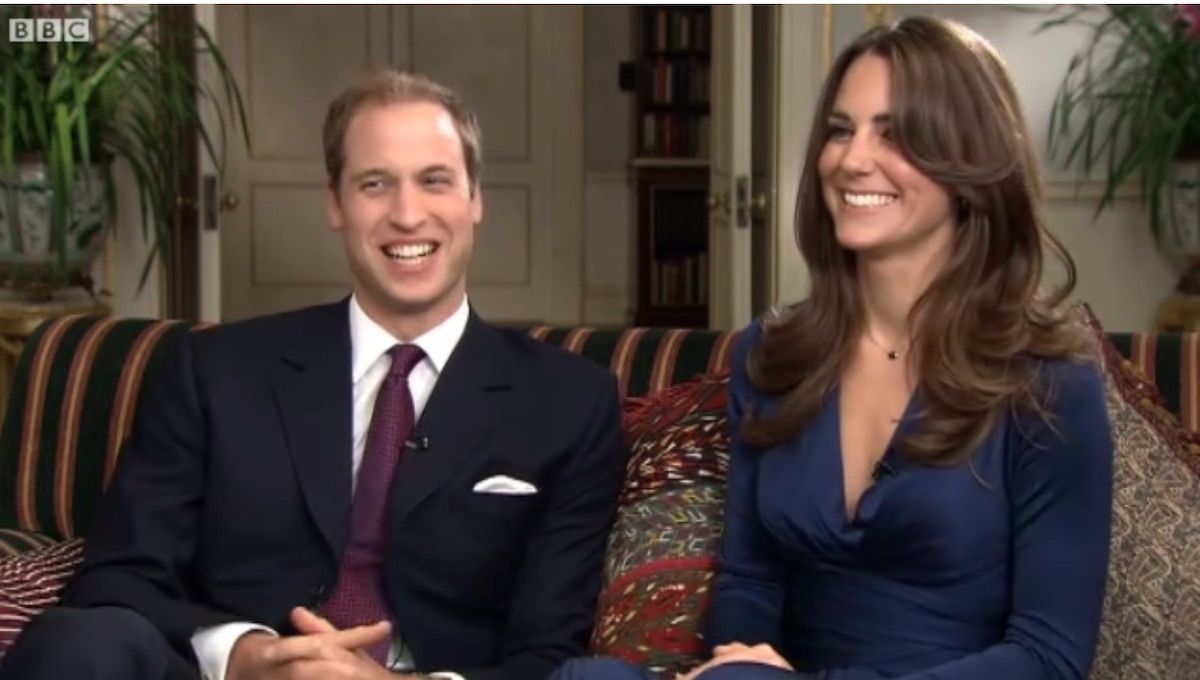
(1151, 626)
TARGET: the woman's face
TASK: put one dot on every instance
(880, 203)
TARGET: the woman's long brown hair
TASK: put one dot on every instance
(984, 319)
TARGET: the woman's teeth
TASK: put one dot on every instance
(859, 200)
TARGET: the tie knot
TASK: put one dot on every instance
(404, 358)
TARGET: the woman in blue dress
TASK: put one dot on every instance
(921, 469)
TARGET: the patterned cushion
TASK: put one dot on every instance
(678, 437)
(30, 582)
(661, 553)
(1151, 626)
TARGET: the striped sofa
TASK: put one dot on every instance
(76, 386)
(77, 382)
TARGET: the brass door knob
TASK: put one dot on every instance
(229, 201)
(760, 205)
(718, 201)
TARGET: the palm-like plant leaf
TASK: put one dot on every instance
(1130, 99)
(122, 96)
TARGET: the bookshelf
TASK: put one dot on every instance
(672, 245)
(673, 48)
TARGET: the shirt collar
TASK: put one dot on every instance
(369, 340)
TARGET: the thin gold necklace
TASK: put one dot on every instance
(892, 354)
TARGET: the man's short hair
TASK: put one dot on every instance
(390, 86)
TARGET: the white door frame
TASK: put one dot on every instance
(804, 34)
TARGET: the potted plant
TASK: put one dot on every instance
(1129, 105)
(68, 110)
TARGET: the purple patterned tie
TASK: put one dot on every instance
(358, 597)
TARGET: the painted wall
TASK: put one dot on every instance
(608, 239)
(119, 269)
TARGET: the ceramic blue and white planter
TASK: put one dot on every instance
(1183, 205)
(27, 250)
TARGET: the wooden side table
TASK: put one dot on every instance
(19, 318)
(1178, 312)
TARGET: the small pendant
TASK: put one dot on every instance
(893, 354)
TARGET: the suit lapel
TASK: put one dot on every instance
(464, 405)
(313, 392)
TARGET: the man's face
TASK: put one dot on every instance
(407, 213)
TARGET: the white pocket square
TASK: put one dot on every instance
(503, 484)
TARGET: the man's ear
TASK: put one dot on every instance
(476, 204)
(333, 205)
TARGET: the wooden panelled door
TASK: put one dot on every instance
(520, 68)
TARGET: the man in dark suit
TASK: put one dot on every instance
(377, 488)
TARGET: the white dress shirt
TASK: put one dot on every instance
(369, 365)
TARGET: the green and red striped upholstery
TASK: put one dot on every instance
(646, 360)
(78, 379)
(70, 408)
(76, 386)
(77, 383)
(1171, 362)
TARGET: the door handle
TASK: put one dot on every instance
(760, 205)
(718, 201)
(229, 201)
(742, 186)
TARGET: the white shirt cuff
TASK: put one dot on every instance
(213, 646)
(446, 675)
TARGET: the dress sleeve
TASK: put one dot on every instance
(1060, 490)
(748, 600)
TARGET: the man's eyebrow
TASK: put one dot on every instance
(370, 172)
(381, 172)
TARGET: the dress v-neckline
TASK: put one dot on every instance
(852, 518)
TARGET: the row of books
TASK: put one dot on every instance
(670, 29)
(681, 81)
(675, 135)
(681, 281)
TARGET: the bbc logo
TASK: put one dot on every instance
(50, 30)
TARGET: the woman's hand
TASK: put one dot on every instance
(736, 651)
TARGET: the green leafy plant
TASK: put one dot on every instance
(123, 95)
(1130, 100)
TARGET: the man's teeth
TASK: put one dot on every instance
(410, 251)
(867, 200)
